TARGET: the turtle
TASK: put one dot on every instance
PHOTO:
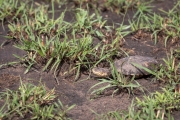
(129, 66)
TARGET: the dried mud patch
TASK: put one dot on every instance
(8, 81)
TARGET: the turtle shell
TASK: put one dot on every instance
(132, 65)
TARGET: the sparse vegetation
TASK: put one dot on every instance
(157, 106)
(88, 40)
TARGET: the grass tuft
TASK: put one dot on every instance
(34, 102)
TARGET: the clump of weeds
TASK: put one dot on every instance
(34, 102)
(156, 106)
(13, 10)
(118, 6)
(51, 42)
(159, 104)
(162, 28)
(169, 73)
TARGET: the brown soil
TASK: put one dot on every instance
(78, 93)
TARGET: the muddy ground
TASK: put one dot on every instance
(70, 92)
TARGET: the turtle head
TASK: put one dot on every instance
(101, 72)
